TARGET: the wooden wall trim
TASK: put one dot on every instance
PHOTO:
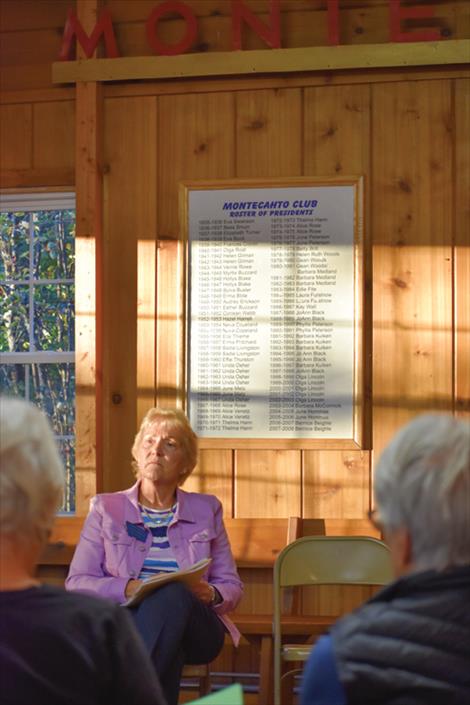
(452, 51)
(89, 243)
(37, 95)
(213, 85)
(329, 78)
(278, 444)
(461, 250)
(27, 178)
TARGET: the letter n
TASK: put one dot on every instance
(333, 21)
(270, 34)
(73, 29)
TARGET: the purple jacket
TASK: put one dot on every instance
(106, 557)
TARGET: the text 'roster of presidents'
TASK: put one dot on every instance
(271, 312)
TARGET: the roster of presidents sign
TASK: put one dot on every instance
(271, 312)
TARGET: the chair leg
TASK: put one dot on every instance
(265, 696)
(205, 683)
(287, 687)
(202, 675)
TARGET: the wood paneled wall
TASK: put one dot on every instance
(405, 131)
(37, 139)
(402, 136)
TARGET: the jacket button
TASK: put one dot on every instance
(115, 537)
(132, 573)
(141, 548)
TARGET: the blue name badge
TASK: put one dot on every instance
(136, 531)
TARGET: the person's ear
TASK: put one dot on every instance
(407, 549)
(401, 549)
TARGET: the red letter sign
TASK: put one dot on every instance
(271, 35)
(191, 28)
(333, 21)
(73, 28)
(398, 13)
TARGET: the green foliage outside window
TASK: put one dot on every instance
(37, 321)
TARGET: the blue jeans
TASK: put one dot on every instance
(177, 628)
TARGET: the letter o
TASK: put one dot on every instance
(191, 28)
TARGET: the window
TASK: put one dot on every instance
(37, 313)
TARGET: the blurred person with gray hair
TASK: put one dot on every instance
(410, 643)
(55, 648)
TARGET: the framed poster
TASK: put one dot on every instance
(274, 312)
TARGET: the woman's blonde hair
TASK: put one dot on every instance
(31, 474)
(174, 418)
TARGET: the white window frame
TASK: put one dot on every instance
(28, 203)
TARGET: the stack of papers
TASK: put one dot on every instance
(190, 575)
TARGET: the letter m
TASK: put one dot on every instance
(73, 29)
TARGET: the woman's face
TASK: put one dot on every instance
(161, 456)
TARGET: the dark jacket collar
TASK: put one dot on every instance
(455, 578)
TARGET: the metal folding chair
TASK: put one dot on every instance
(322, 560)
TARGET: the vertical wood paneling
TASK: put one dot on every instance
(412, 231)
(16, 123)
(86, 477)
(337, 130)
(53, 136)
(269, 143)
(267, 483)
(89, 232)
(170, 323)
(337, 127)
(89, 227)
(146, 333)
(462, 247)
(213, 475)
(195, 140)
(269, 131)
(336, 484)
(129, 208)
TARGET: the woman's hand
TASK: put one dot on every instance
(132, 587)
(203, 591)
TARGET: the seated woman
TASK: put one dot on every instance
(55, 648)
(155, 526)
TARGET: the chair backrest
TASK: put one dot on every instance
(233, 695)
(338, 560)
(325, 560)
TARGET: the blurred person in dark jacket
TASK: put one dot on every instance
(56, 648)
(410, 644)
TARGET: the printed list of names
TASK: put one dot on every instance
(271, 335)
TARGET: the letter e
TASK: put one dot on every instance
(398, 13)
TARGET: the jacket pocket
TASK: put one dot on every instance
(200, 544)
(117, 548)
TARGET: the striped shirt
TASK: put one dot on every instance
(160, 558)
